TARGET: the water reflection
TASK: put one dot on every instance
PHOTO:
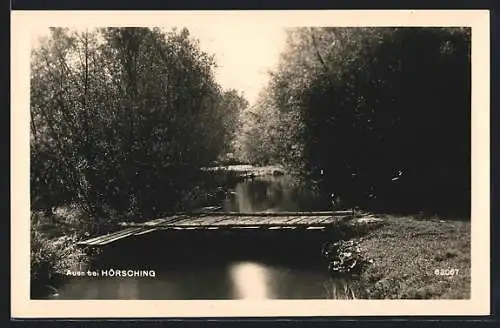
(128, 291)
(250, 281)
(272, 194)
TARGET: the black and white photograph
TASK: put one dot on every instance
(251, 161)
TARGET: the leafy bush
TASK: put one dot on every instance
(52, 257)
(345, 257)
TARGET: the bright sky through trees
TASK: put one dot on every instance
(244, 53)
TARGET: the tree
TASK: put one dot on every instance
(379, 116)
(122, 118)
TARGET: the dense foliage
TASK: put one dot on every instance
(379, 117)
(52, 257)
(122, 118)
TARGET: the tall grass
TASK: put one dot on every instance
(340, 289)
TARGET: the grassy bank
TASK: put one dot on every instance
(407, 251)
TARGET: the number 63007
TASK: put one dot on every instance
(446, 272)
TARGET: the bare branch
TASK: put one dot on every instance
(317, 51)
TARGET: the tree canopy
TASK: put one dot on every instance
(121, 117)
(378, 116)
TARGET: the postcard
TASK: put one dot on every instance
(250, 163)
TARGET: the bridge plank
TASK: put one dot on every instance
(296, 220)
(212, 220)
(106, 239)
(332, 219)
(186, 220)
(204, 219)
(316, 220)
(143, 232)
(256, 220)
(121, 236)
(319, 213)
(225, 220)
(246, 219)
(156, 222)
(280, 220)
(282, 227)
(97, 239)
(159, 222)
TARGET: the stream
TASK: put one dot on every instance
(203, 265)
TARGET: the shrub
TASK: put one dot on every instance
(345, 257)
(51, 257)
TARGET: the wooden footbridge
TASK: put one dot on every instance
(224, 221)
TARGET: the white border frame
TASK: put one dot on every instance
(22, 22)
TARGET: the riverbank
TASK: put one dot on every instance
(53, 248)
(247, 170)
(416, 258)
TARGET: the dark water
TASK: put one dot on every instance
(271, 193)
(218, 265)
